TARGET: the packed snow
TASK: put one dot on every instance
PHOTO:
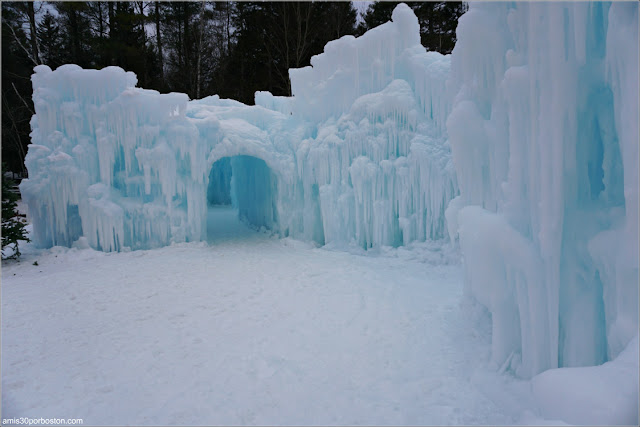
(248, 329)
(519, 150)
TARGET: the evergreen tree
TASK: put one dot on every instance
(17, 66)
(50, 39)
(223, 40)
(13, 230)
(180, 36)
(98, 18)
(273, 37)
(338, 19)
(127, 42)
(76, 35)
(159, 82)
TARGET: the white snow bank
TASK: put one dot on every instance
(251, 330)
(599, 395)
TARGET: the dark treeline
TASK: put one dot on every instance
(199, 48)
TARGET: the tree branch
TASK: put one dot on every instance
(15, 36)
(18, 140)
(22, 99)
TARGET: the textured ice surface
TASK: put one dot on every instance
(366, 164)
(544, 137)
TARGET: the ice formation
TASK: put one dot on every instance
(336, 163)
(522, 145)
(544, 137)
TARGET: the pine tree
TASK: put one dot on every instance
(17, 66)
(13, 230)
(50, 41)
(272, 37)
(76, 31)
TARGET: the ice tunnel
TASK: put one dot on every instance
(247, 184)
(219, 188)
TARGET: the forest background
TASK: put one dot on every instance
(200, 48)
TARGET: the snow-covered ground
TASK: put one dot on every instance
(249, 329)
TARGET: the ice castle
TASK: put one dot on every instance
(521, 147)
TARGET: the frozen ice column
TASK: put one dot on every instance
(63, 157)
(376, 169)
(544, 135)
(98, 161)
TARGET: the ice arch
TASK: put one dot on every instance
(248, 184)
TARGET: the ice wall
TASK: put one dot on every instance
(94, 137)
(338, 163)
(544, 135)
(131, 159)
(376, 168)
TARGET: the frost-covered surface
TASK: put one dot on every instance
(366, 164)
(600, 395)
(544, 136)
(249, 330)
(254, 330)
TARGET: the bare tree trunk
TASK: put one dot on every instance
(159, 41)
(100, 21)
(22, 99)
(140, 5)
(303, 23)
(35, 48)
(185, 47)
(103, 34)
(180, 50)
(144, 78)
(199, 71)
(112, 24)
(228, 28)
(286, 41)
(17, 40)
(75, 46)
(112, 32)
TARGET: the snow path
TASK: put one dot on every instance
(247, 330)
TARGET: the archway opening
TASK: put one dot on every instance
(240, 187)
